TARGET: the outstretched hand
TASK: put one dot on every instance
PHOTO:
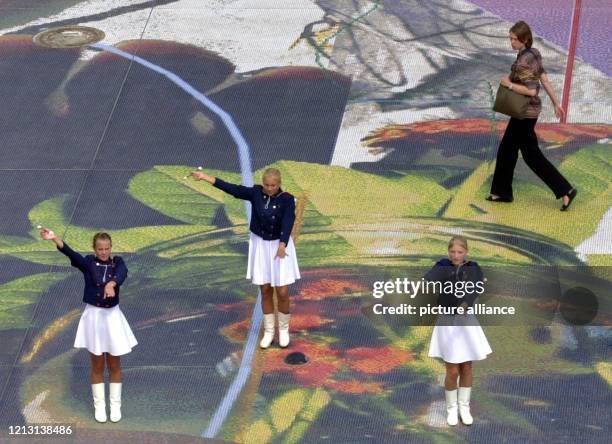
(199, 175)
(47, 234)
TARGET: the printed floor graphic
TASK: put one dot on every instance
(378, 114)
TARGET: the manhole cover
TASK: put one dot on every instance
(68, 37)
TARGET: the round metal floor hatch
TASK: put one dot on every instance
(68, 37)
(296, 358)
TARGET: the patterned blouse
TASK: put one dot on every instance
(526, 70)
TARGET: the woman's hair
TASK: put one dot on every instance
(522, 31)
(272, 172)
(458, 240)
(101, 236)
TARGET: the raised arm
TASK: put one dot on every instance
(238, 191)
(200, 175)
(76, 260)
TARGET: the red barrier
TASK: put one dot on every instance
(571, 54)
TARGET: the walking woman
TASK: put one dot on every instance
(526, 74)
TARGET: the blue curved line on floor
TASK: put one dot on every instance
(246, 172)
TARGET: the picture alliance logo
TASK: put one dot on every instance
(429, 309)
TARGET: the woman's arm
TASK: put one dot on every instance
(121, 272)
(551, 93)
(436, 273)
(521, 89)
(286, 226)
(76, 260)
(199, 175)
(474, 275)
(287, 221)
(238, 191)
(47, 234)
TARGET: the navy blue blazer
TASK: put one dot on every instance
(97, 274)
(444, 271)
(272, 217)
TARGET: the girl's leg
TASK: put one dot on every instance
(267, 306)
(97, 368)
(465, 374)
(450, 385)
(267, 298)
(282, 294)
(114, 388)
(464, 392)
(452, 373)
(114, 367)
(97, 386)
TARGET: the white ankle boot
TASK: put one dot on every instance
(268, 337)
(97, 391)
(451, 407)
(114, 400)
(463, 399)
(283, 329)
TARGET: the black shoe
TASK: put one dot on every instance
(571, 195)
(499, 199)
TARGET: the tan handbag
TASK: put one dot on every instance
(511, 103)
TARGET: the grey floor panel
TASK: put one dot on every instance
(106, 203)
(60, 188)
(156, 123)
(57, 122)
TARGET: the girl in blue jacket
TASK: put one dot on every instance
(458, 338)
(272, 262)
(103, 329)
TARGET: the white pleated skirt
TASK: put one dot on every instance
(104, 330)
(458, 339)
(265, 268)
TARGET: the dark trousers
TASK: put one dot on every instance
(520, 135)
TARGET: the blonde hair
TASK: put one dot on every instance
(458, 240)
(101, 236)
(272, 172)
